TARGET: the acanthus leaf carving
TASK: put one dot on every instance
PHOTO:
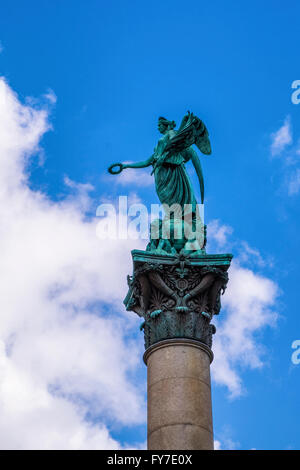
(177, 301)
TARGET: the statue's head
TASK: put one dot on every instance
(164, 125)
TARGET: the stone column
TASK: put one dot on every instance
(179, 395)
(177, 297)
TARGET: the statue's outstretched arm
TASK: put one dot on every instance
(143, 164)
(197, 165)
(122, 166)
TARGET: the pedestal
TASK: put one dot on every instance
(177, 296)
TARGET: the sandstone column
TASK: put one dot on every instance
(179, 395)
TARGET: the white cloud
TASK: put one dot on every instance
(61, 354)
(247, 254)
(219, 234)
(217, 445)
(249, 304)
(291, 171)
(226, 444)
(79, 194)
(248, 307)
(50, 96)
(33, 418)
(294, 182)
(281, 138)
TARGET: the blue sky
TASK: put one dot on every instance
(114, 68)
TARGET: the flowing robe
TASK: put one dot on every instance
(173, 185)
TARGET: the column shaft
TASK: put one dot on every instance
(179, 395)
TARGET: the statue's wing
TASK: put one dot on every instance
(191, 131)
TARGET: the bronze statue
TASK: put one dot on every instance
(173, 151)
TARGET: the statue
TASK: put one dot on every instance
(173, 185)
(170, 155)
(176, 286)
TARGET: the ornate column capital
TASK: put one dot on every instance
(177, 295)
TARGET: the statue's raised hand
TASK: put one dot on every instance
(116, 172)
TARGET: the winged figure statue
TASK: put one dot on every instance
(173, 151)
(173, 185)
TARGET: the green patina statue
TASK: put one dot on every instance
(173, 185)
(174, 149)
